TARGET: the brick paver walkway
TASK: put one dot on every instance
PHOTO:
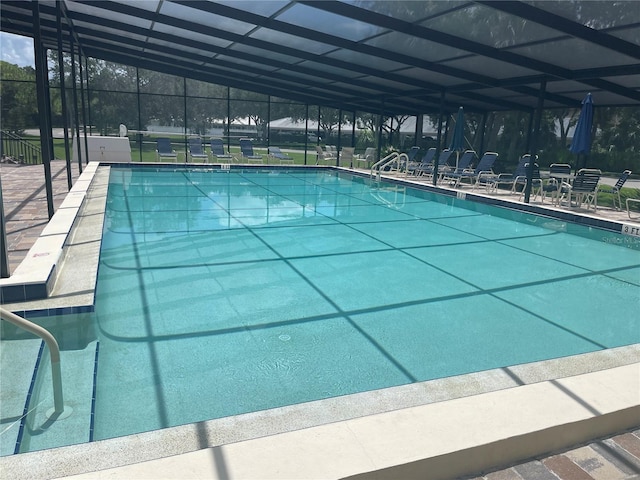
(616, 458)
(25, 203)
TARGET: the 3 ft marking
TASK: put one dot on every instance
(631, 229)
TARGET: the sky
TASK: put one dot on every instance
(16, 49)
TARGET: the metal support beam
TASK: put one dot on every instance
(185, 138)
(63, 96)
(339, 137)
(534, 143)
(228, 119)
(268, 122)
(483, 129)
(84, 113)
(139, 135)
(439, 139)
(306, 131)
(44, 111)
(419, 127)
(76, 116)
(380, 122)
(4, 255)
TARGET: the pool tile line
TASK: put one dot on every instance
(93, 393)
(27, 403)
(479, 198)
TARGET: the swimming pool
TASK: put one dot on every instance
(243, 355)
(224, 292)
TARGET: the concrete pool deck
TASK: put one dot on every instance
(454, 427)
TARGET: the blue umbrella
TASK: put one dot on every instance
(581, 142)
(457, 141)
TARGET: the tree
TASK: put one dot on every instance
(18, 94)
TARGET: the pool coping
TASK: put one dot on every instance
(367, 435)
(36, 275)
(153, 446)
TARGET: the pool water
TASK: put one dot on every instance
(226, 292)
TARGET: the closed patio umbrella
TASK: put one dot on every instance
(581, 142)
(457, 141)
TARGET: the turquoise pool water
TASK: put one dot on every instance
(221, 293)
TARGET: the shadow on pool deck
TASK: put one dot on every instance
(25, 209)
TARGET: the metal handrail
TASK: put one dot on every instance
(380, 164)
(13, 145)
(54, 351)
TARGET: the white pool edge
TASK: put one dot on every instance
(436, 441)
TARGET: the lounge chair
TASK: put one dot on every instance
(443, 165)
(519, 177)
(408, 161)
(369, 157)
(403, 161)
(276, 154)
(426, 162)
(165, 150)
(346, 157)
(483, 173)
(584, 187)
(218, 151)
(196, 152)
(323, 157)
(413, 153)
(479, 176)
(536, 182)
(246, 151)
(463, 167)
(615, 190)
(558, 173)
(332, 150)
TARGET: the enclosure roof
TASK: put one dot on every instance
(377, 56)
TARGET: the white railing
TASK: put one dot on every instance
(395, 162)
(54, 350)
(380, 164)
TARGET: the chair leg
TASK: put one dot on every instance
(619, 207)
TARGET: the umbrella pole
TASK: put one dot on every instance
(577, 163)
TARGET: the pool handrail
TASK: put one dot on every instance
(54, 351)
(389, 159)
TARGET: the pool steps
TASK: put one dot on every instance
(78, 386)
(30, 371)
(18, 360)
